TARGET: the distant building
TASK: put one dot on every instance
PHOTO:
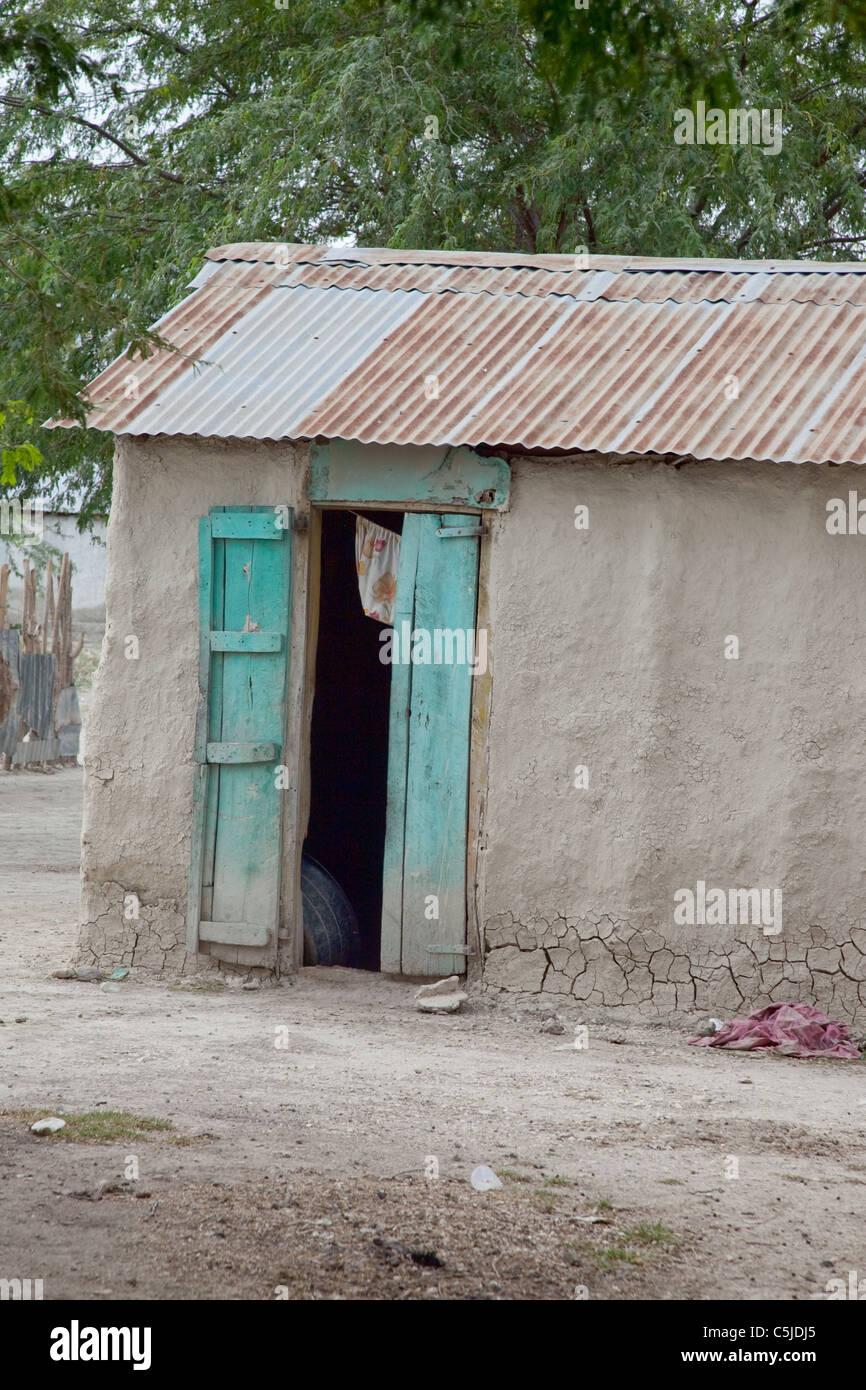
(86, 550)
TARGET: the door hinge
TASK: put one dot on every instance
(450, 532)
(450, 950)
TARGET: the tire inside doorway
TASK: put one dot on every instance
(331, 934)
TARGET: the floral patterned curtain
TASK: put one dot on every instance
(377, 555)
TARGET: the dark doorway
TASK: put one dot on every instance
(349, 733)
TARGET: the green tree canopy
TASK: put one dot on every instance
(135, 135)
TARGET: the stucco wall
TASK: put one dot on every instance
(139, 743)
(609, 652)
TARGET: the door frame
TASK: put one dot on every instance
(479, 713)
(346, 475)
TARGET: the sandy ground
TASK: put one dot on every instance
(304, 1170)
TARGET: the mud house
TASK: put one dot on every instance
(635, 483)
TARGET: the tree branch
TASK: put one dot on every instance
(19, 104)
(167, 39)
(527, 218)
(833, 241)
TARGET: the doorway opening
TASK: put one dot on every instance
(349, 732)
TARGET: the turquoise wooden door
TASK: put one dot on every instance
(424, 876)
(244, 608)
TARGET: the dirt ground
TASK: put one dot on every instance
(308, 1170)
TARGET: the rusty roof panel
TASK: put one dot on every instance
(612, 277)
(254, 379)
(272, 252)
(283, 252)
(690, 287)
(706, 359)
(436, 279)
(616, 378)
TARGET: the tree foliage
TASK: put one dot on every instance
(135, 135)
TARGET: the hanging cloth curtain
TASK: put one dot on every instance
(377, 555)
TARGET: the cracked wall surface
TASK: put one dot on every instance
(138, 754)
(608, 652)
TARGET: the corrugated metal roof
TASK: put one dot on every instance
(282, 252)
(710, 359)
(690, 287)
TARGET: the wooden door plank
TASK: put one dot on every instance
(243, 752)
(246, 641)
(398, 756)
(214, 719)
(234, 933)
(434, 859)
(200, 773)
(247, 856)
(482, 689)
(343, 470)
(246, 524)
(244, 618)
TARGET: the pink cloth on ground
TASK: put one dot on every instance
(791, 1030)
